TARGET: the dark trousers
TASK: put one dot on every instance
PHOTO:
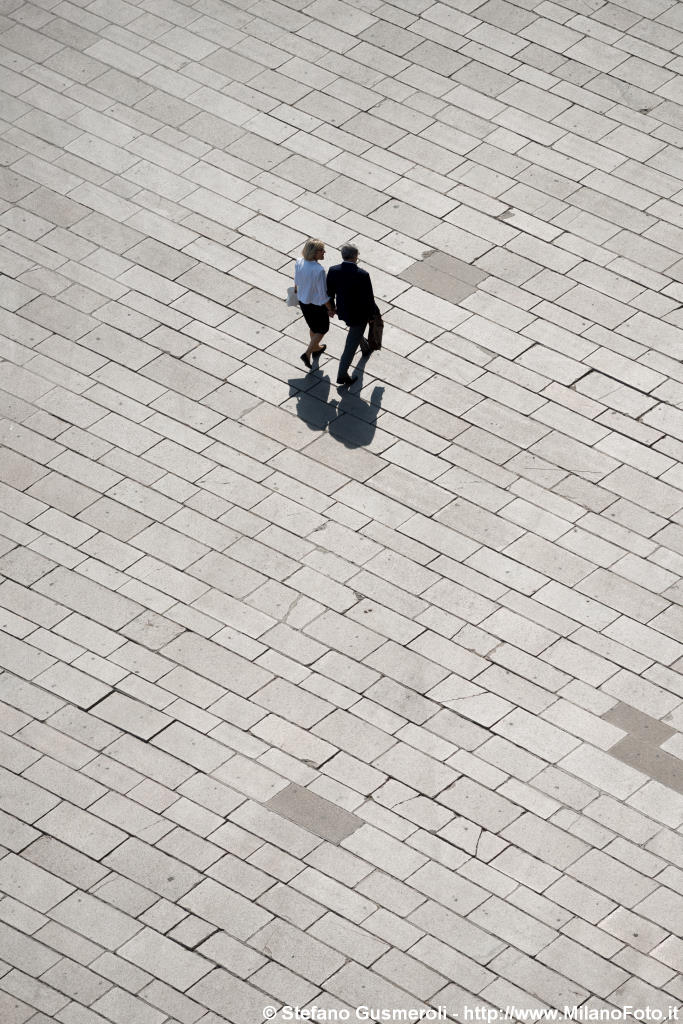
(353, 340)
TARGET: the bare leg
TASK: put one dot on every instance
(315, 343)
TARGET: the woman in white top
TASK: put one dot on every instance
(316, 306)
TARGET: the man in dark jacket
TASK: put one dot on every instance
(350, 288)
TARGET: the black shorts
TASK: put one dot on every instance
(317, 317)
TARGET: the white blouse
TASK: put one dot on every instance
(309, 278)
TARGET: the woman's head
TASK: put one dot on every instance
(313, 249)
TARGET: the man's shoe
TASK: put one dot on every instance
(347, 381)
(306, 360)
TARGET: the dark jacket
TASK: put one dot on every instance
(350, 288)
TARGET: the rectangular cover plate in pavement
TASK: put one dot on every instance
(314, 813)
(445, 276)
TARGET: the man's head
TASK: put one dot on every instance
(350, 253)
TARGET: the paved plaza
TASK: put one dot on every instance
(368, 699)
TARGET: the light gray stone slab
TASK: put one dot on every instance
(96, 920)
(220, 989)
(216, 663)
(165, 959)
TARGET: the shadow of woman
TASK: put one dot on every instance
(349, 419)
(312, 406)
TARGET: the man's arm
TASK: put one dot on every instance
(372, 305)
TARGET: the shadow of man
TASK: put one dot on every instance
(349, 419)
(356, 420)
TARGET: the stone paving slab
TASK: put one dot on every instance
(358, 698)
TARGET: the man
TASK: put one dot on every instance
(351, 289)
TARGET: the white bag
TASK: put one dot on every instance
(292, 298)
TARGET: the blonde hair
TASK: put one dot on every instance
(311, 247)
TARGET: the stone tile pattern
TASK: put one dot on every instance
(418, 603)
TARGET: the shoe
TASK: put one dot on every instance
(319, 351)
(306, 360)
(347, 381)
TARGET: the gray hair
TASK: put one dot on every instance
(349, 251)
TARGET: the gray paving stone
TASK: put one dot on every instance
(25, 953)
(131, 716)
(86, 832)
(413, 767)
(383, 850)
(522, 930)
(118, 1005)
(466, 938)
(83, 595)
(190, 745)
(216, 663)
(148, 866)
(76, 981)
(225, 908)
(220, 989)
(31, 884)
(165, 958)
(96, 920)
(297, 950)
(23, 799)
(528, 831)
(65, 862)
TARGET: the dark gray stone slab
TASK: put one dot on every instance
(314, 813)
(454, 267)
(639, 725)
(443, 275)
(652, 761)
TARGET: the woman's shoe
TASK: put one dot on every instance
(306, 360)
(319, 351)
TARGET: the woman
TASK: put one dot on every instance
(316, 306)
